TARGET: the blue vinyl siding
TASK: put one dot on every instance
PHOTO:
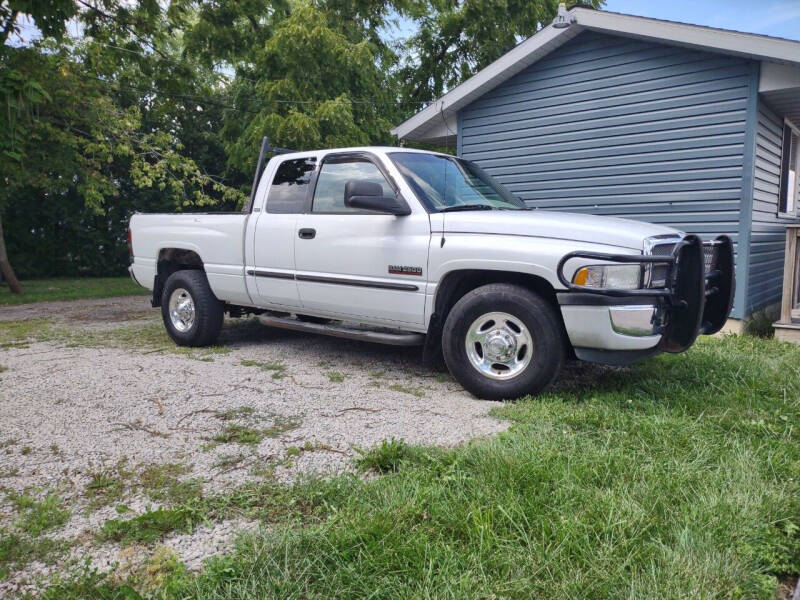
(615, 126)
(768, 233)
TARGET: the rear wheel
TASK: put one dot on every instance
(191, 312)
(502, 341)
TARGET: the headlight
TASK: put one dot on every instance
(623, 277)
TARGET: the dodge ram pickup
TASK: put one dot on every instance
(407, 247)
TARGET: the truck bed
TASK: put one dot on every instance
(217, 238)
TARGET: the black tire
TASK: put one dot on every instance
(208, 310)
(536, 314)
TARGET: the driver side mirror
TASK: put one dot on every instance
(369, 196)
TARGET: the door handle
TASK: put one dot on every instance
(307, 233)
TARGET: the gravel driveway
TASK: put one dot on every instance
(94, 388)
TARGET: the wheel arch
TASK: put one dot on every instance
(458, 282)
(171, 259)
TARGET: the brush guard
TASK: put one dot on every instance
(697, 297)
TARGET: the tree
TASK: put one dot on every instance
(20, 93)
(84, 122)
(455, 39)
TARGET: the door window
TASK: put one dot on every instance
(329, 193)
(287, 194)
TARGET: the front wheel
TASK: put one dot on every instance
(503, 341)
(191, 312)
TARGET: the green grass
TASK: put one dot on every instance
(145, 337)
(40, 290)
(239, 434)
(17, 550)
(278, 369)
(385, 458)
(161, 482)
(336, 376)
(35, 516)
(677, 478)
(149, 526)
(25, 543)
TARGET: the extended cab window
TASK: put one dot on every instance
(287, 194)
(334, 174)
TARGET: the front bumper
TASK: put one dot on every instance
(623, 326)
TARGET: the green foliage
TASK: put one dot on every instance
(454, 40)
(162, 106)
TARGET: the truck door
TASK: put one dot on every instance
(275, 233)
(356, 263)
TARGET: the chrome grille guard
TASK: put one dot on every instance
(697, 297)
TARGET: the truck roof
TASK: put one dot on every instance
(381, 149)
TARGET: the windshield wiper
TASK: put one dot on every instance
(460, 207)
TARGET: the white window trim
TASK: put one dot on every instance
(795, 213)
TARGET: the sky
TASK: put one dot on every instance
(780, 18)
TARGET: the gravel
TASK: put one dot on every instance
(69, 410)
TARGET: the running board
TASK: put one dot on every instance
(351, 333)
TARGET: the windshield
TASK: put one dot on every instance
(447, 183)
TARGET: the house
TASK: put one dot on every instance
(654, 120)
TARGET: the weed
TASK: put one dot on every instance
(17, 550)
(108, 486)
(278, 369)
(161, 482)
(236, 413)
(759, 324)
(335, 376)
(281, 425)
(3, 368)
(25, 450)
(227, 461)
(405, 389)
(385, 458)
(54, 448)
(163, 566)
(37, 516)
(239, 434)
(149, 526)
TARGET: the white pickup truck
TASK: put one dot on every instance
(403, 246)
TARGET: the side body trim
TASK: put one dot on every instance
(404, 287)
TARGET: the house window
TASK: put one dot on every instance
(790, 166)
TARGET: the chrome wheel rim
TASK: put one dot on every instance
(499, 345)
(181, 310)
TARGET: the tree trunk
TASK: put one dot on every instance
(5, 266)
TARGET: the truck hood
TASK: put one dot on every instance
(609, 231)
